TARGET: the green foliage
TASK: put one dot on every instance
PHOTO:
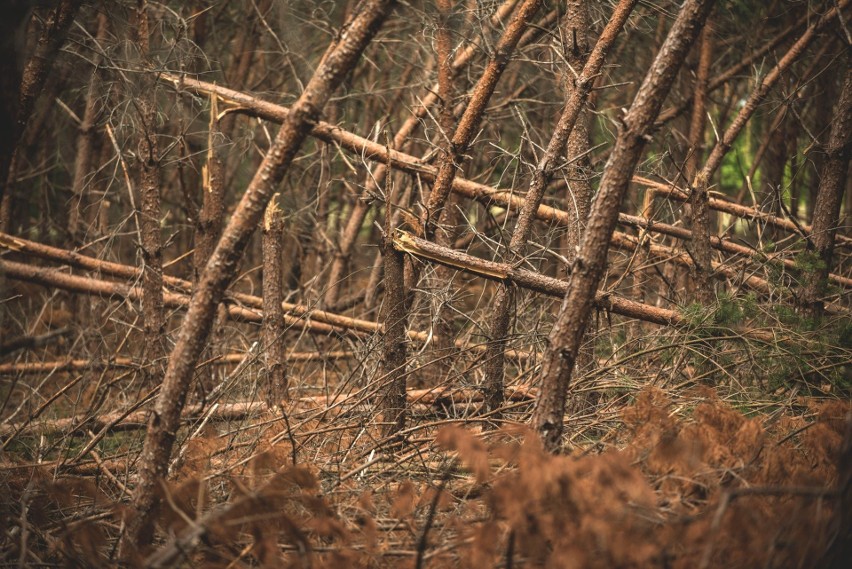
(844, 334)
(809, 262)
(735, 166)
(731, 311)
(787, 315)
(694, 314)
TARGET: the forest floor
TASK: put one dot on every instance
(678, 475)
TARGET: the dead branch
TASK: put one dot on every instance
(487, 195)
(74, 365)
(320, 321)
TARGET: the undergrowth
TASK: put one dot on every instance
(681, 482)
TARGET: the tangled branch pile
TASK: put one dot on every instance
(449, 284)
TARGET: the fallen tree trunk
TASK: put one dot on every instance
(302, 317)
(51, 277)
(443, 397)
(504, 272)
(75, 259)
(365, 148)
(69, 365)
(733, 208)
(305, 318)
(132, 421)
(720, 270)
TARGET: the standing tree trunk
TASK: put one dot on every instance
(822, 104)
(340, 58)
(567, 334)
(827, 208)
(578, 196)
(576, 29)
(15, 18)
(443, 345)
(774, 170)
(31, 84)
(208, 227)
(275, 382)
(699, 213)
(582, 85)
(392, 401)
(149, 183)
(85, 146)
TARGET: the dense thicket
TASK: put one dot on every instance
(452, 283)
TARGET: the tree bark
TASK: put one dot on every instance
(702, 179)
(508, 274)
(567, 334)
(297, 315)
(827, 208)
(394, 319)
(32, 81)
(443, 345)
(576, 29)
(274, 388)
(376, 178)
(488, 195)
(149, 182)
(85, 146)
(469, 123)
(338, 61)
(699, 215)
(208, 223)
(504, 297)
(50, 277)
(20, 91)
(577, 34)
(208, 227)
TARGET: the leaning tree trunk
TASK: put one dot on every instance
(376, 177)
(827, 208)
(338, 61)
(500, 316)
(468, 125)
(567, 334)
(700, 183)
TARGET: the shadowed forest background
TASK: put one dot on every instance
(450, 283)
